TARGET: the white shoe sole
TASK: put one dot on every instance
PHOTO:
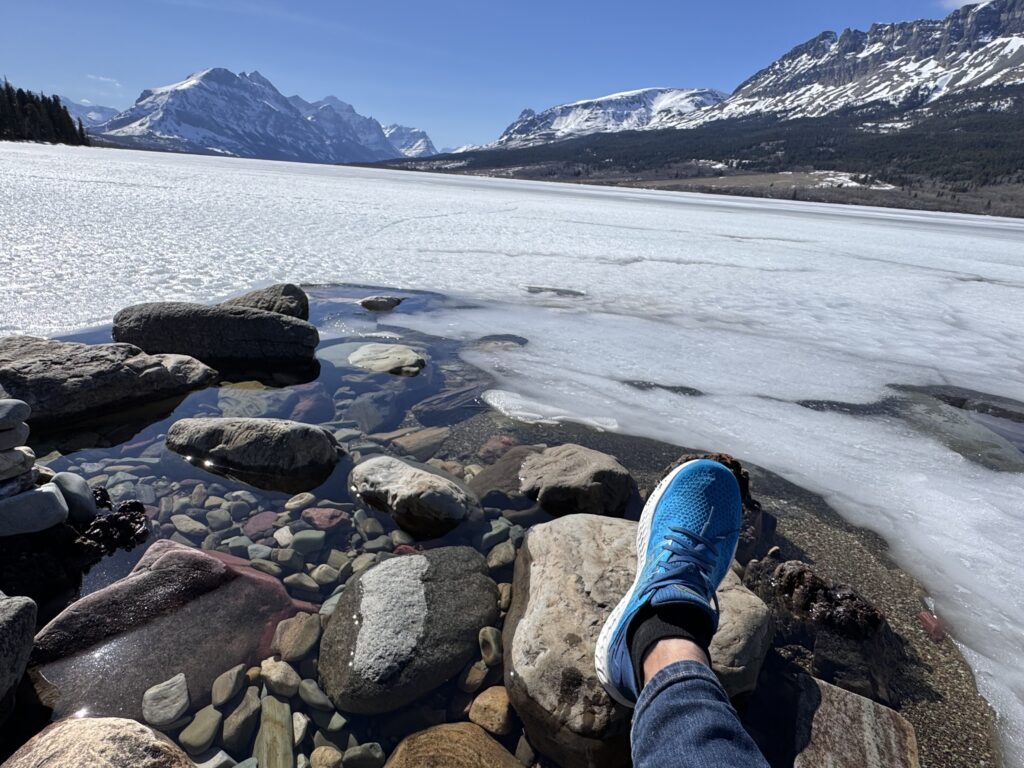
(643, 533)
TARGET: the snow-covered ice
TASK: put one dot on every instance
(759, 304)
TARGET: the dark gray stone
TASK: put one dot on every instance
(283, 298)
(13, 412)
(63, 380)
(78, 495)
(31, 511)
(17, 628)
(418, 619)
(217, 334)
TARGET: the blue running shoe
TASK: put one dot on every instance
(685, 543)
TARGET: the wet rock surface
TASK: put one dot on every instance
(287, 453)
(217, 335)
(64, 380)
(459, 745)
(424, 503)
(178, 608)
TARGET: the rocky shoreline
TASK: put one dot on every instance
(343, 557)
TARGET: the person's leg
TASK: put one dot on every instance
(652, 653)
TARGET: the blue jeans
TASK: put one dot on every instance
(683, 719)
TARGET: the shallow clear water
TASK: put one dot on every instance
(758, 304)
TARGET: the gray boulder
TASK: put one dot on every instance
(423, 503)
(283, 298)
(31, 511)
(569, 575)
(63, 380)
(17, 628)
(570, 479)
(498, 485)
(277, 448)
(99, 742)
(13, 412)
(380, 303)
(78, 495)
(176, 610)
(230, 335)
(417, 622)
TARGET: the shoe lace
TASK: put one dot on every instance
(691, 562)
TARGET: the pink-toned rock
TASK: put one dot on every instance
(315, 406)
(176, 610)
(325, 518)
(259, 524)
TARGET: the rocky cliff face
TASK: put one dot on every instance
(411, 142)
(628, 111)
(906, 65)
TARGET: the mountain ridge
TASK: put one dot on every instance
(215, 111)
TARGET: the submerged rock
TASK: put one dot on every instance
(457, 745)
(404, 627)
(99, 742)
(63, 380)
(388, 358)
(573, 479)
(273, 453)
(283, 298)
(219, 335)
(569, 575)
(425, 504)
(176, 610)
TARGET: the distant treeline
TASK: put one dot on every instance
(27, 116)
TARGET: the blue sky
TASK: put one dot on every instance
(460, 69)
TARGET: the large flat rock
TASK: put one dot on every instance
(569, 575)
(178, 609)
(63, 380)
(278, 451)
(217, 334)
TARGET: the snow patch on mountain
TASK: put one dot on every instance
(904, 65)
(215, 111)
(627, 111)
(411, 142)
(91, 115)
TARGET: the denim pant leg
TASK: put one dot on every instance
(683, 719)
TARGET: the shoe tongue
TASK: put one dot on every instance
(673, 593)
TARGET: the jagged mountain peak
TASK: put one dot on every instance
(411, 142)
(216, 111)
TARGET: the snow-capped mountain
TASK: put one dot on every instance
(91, 115)
(347, 133)
(628, 111)
(905, 65)
(218, 112)
(411, 142)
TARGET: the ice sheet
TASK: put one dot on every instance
(756, 303)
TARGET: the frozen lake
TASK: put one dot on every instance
(760, 305)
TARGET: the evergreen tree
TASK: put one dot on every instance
(27, 116)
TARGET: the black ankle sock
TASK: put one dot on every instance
(679, 620)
